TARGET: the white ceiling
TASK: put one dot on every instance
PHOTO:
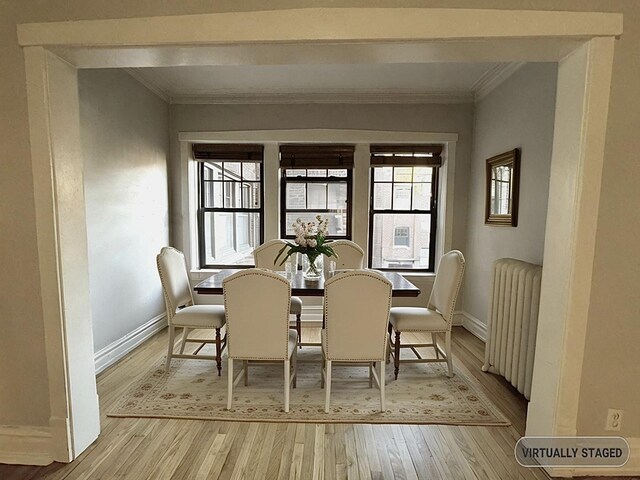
(324, 83)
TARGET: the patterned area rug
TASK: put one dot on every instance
(422, 395)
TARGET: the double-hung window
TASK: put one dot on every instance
(316, 180)
(403, 206)
(230, 203)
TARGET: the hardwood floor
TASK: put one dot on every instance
(139, 448)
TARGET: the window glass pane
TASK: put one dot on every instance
(213, 171)
(403, 174)
(296, 195)
(317, 195)
(381, 196)
(316, 172)
(337, 199)
(229, 238)
(422, 174)
(337, 221)
(251, 171)
(421, 196)
(212, 194)
(250, 195)
(402, 196)
(337, 172)
(232, 170)
(296, 172)
(383, 173)
(231, 194)
(413, 248)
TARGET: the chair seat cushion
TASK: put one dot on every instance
(293, 341)
(200, 316)
(416, 319)
(296, 306)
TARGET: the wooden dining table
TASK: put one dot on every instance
(301, 287)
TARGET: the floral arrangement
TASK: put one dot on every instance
(310, 241)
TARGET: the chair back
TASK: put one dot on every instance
(264, 256)
(174, 277)
(349, 256)
(447, 284)
(356, 309)
(257, 303)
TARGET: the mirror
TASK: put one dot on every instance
(503, 178)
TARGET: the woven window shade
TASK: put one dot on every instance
(316, 156)
(406, 155)
(223, 151)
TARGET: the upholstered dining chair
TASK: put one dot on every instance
(257, 303)
(349, 256)
(264, 256)
(181, 311)
(435, 319)
(356, 309)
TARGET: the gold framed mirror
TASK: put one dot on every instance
(503, 181)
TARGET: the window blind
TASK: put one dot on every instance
(406, 155)
(316, 156)
(223, 151)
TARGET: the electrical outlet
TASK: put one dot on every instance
(614, 420)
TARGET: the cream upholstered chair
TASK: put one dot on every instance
(257, 303)
(349, 256)
(436, 318)
(264, 256)
(181, 311)
(356, 309)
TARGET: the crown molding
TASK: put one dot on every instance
(282, 97)
(493, 77)
(152, 87)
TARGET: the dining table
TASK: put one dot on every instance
(302, 287)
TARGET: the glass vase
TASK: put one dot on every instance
(312, 266)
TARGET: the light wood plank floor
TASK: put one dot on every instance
(130, 448)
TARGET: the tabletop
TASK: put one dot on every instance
(306, 288)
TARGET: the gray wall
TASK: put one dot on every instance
(518, 113)
(124, 142)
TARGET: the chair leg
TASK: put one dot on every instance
(434, 340)
(382, 383)
(218, 352)
(323, 369)
(370, 375)
(327, 400)
(287, 372)
(185, 333)
(172, 338)
(230, 383)
(390, 330)
(294, 359)
(447, 349)
(299, 330)
(396, 359)
(245, 368)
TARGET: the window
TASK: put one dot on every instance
(403, 206)
(230, 203)
(401, 237)
(316, 180)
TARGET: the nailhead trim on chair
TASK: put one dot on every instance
(343, 276)
(265, 273)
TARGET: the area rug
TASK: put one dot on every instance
(423, 394)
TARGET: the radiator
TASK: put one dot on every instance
(513, 322)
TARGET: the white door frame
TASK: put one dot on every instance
(580, 127)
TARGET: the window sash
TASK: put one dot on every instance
(432, 211)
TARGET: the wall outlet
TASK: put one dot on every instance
(614, 420)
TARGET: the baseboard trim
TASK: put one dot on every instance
(474, 325)
(25, 445)
(630, 469)
(312, 314)
(121, 347)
